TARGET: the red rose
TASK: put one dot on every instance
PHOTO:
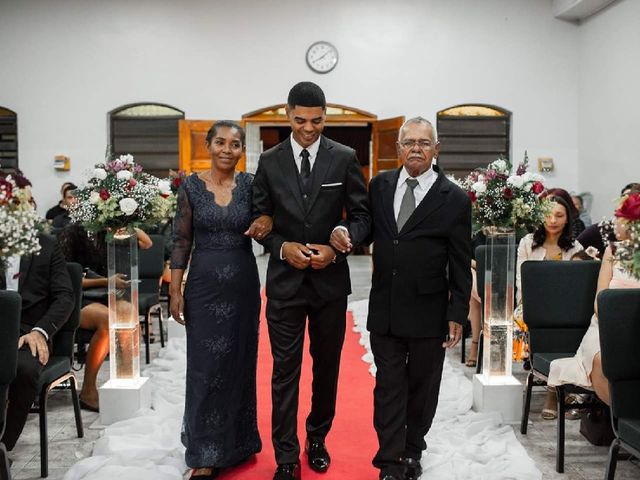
(6, 189)
(507, 193)
(630, 208)
(132, 182)
(177, 181)
(472, 196)
(537, 188)
(104, 194)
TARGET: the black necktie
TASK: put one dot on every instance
(305, 169)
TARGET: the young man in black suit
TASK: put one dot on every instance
(305, 183)
(419, 294)
(47, 295)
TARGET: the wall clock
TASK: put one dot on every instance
(322, 57)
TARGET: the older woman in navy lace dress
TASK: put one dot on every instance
(220, 307)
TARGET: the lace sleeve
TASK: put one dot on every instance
(182, 232)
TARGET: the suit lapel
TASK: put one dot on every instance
(434, 199)
(290, 171)
(388, 193)
(321, 166)
(25, 265)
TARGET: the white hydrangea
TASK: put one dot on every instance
(124, 175)
(126, 159)
(128, 205)
(515, 181)
(500, 165)
(479, 187)
(100, 173)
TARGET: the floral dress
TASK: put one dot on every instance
(221, 309)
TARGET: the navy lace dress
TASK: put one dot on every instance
(221, 309)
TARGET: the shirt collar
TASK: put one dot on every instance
(423, 179)
(297, 148)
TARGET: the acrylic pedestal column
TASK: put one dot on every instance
(126, 392)
(496, 389)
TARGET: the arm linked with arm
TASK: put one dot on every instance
(263, 205)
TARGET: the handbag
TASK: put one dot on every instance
(595, 426)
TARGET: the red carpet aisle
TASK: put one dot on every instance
(351, 442)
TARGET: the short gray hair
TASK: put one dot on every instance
(421, 120)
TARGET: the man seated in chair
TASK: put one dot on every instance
(47, 295)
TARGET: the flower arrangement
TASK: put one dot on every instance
(502, 199)
(118, 195)
(627, 252)
(175, 180)
(19, 222)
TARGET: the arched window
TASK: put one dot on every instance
(149, 132)
(8, 139)
(472, 136)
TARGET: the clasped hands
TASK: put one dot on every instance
(301, 256)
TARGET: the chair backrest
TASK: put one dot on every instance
(10, 306)
(557, 303)
(619, 324)
(151, 266)
(63, 340)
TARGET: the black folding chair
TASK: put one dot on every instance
(10, 306)
(150, 268)
(58, 370)
(619, 324)
(557, 305)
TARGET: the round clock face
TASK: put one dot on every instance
(322, 57)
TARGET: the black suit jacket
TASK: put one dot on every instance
(337, 186)
(45, 287)
(422, 274)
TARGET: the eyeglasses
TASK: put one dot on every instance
(422, 144)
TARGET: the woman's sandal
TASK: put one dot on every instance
(549, 414)
(472, 362)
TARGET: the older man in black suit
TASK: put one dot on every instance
(47, 301)
(419, 294)
(305, 183)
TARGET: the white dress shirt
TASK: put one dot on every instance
(425, 182)
(13, 273)
(12, 278)
(297, 150)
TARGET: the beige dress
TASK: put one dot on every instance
(577, 369)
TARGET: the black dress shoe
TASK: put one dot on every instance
(413, 469)
(288, 471)
(319, 459)
(388, 476)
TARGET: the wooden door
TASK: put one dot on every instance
(194, 156)
(385, 135)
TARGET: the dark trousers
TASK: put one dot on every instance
(287, 320)
(405, 396)
(22, 392)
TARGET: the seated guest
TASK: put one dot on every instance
(63, 205)
(577, 224)
(475, 304)
(94, 316)
(599, 235)
(583, 215)
(47, 301)
(585, 368)
(552, 241)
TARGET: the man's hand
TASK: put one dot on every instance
(340, 240)
(260, 228)
(321, 255)
(37, 344)
(296, 254)
(455, 333)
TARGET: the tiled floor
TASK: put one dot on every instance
(582, 462)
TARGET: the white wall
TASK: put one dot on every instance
(609, 130)
(65, 64)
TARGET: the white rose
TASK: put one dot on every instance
(100, 173)
(165, 187)
(94, 197)
(128, 205)
(479, 187)
(515, 181)
(123, 175)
